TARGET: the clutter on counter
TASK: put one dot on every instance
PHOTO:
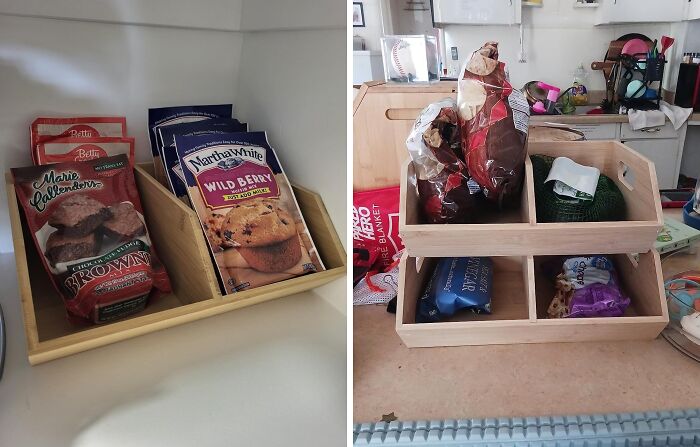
(683, 294)
(493, 126)
(607, 204)
(578, 90)
(378, 286)
(456, 284)
(375, 228)
(87, 224)
(377, 247)
(674, 236)
(587, 287)
(442, 180)
(572, 179)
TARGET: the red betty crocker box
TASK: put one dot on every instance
(44, 128)
(65, 149)
(245, 203)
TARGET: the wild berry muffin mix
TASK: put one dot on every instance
(248, 211)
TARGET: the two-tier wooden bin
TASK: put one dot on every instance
(518, 244)
(178, 237)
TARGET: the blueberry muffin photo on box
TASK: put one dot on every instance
(247, 208)
(266, 234)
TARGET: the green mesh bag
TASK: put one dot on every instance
(608, 203)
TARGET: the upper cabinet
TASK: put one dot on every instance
(693, 9)
(476, 12)
(640, 11)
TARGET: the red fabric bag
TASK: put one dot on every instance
(375, 223)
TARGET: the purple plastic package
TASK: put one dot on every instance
(598, 300)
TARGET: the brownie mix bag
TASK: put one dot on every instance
(65, 149)
(248, 211)
(165, 116)
(493, 124)
(173, 170)
(43, 128)
(88, 226)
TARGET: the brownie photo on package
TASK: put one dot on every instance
(247, 208)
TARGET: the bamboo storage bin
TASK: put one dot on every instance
(520, 297)
(518, 232)
(179, 241)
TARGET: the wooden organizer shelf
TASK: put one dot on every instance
(179, 241)
(518, 232)
(520, 297)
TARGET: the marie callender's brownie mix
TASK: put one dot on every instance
(87, 223)
(248, 211)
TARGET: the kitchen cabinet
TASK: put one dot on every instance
(597, 131)
(476, 12)
(664, 153)
(367, 66)
(693, 10)
(640, 11)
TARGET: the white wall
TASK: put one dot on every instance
(297, 14)
(557, 38)
(211, 14)
(59, 67)
(100, 65)
(372, 31)
(302, 110)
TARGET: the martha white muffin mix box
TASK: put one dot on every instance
(248, 211)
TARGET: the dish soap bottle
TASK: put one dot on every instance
(579, 93)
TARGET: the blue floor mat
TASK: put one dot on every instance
(676, 428)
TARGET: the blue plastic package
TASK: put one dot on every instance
(456, 284)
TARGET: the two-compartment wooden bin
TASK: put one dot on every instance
(519, 244)
(179, 241)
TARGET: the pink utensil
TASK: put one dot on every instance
(635, 47)
(666, 43)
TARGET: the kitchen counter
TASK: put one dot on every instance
(516, 380)
(270, 374)
(578, 119)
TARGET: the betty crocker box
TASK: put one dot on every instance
(248, 211)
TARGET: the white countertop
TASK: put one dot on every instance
(266, 375)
